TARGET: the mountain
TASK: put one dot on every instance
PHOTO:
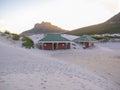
(111, 26)
(43, 28)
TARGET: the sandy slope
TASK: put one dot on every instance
(105, 60)
(22, 69)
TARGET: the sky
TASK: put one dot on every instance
(20, 15)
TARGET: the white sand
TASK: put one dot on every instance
(23, 69)
(102, 60)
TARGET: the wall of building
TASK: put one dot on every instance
(55, 46)
(47, 46)
(61, 46)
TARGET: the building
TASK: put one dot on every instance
(86, 41)
(53, 42)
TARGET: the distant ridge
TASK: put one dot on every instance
(111, 26)
(43, 28)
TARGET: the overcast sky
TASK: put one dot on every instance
(20, 15)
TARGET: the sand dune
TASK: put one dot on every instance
(74, 69)
(103, 60)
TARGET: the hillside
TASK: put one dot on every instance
(111, 26)
(43, 28)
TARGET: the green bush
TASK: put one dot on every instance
(6, 32)
(15, 37)
(105, 37)
(112, 37)
(27, 42)
(98, 38)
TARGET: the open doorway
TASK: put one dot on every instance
(55, 46)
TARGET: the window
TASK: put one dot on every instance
(62, 44)
(45, 45)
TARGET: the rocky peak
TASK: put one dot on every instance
(43, 24)
(46, 25)
(43, 28)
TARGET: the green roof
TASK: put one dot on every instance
(54, 37)
(85, 38)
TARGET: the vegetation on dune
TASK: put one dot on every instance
(27, 42)
(106, 37)
(15, 37)
(7, 32)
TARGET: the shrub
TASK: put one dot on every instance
(105, 37)
(6, 32)
(0, 32)
(27, 42)
(15, 37)
(98, 38)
